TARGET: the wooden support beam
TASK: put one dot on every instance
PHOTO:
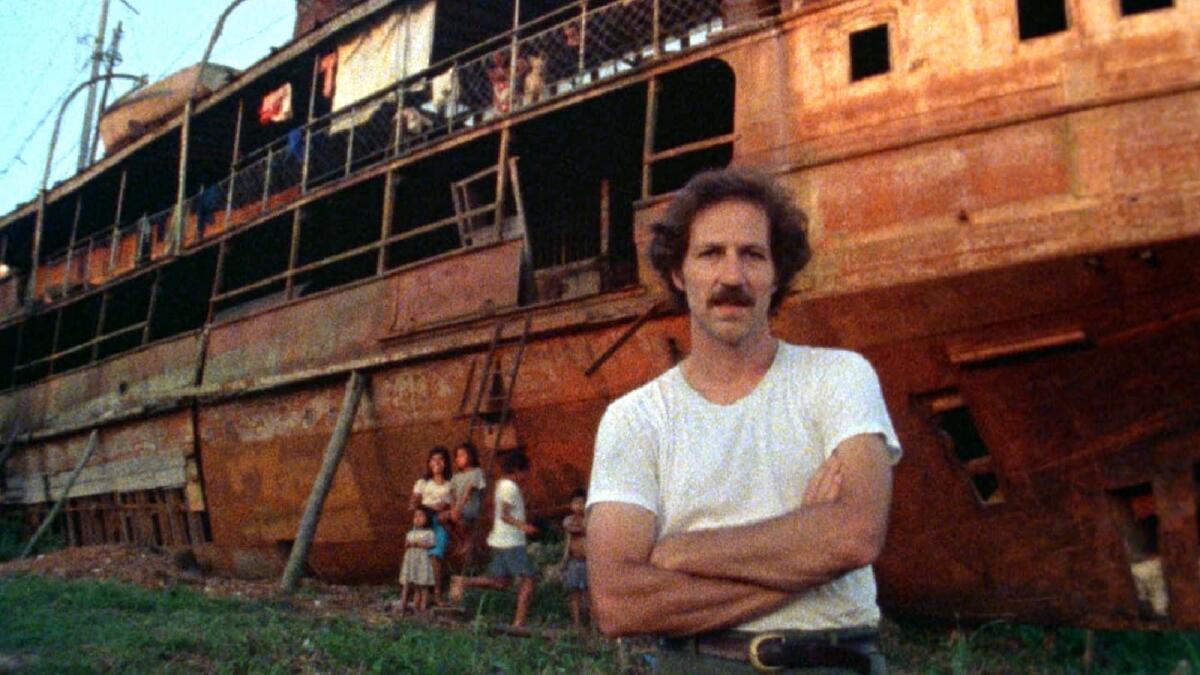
(324, 480)
(621, 340)
(93, 441)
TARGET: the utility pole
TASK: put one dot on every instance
(111, 58)
(85, 138)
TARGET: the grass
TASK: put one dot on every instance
(1001, 647)
(53, 626)
(87, 626)
(13, 537)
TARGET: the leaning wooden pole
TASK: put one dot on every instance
(93, 441)
(324, 480)
(10, 445)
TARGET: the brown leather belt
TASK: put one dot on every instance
(846, 648)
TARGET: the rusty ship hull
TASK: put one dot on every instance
(1011, 243)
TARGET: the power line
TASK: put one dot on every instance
(45, 116)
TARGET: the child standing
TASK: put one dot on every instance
(433, 493)
(575, 553)
(466, 490)
(416, 572)
(507, 541)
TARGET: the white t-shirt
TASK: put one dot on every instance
(504, 535)
(698, 465)
(432, 494)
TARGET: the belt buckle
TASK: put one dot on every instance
(753, 652)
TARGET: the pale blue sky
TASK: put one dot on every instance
(45, 51)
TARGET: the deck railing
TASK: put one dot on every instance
(565, 51)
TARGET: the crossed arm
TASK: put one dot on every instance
(711, 579)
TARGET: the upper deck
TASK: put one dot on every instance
(922, 138)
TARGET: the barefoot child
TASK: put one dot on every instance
(507, 540)
(575, 554)
(466, 489)
(416, 572)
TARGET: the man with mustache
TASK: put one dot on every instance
(738, 500)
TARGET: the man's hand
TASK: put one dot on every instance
(826, 484)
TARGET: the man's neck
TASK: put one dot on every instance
(724, 373)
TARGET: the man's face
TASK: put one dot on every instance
(727, 273)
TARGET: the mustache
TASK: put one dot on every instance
(731, 295)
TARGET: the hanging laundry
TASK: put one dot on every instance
(327, 66)
(276, 106)
(392, 49)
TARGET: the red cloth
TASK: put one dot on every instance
(276, 106)
(327, 66)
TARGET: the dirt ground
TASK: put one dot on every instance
(158, 568)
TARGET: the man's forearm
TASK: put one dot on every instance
(806, 547)
(790, 553)
(648, 599)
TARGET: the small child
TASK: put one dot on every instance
(416, 572)
(433, 492)
(575, 556)
(507, 541)
(466, 489)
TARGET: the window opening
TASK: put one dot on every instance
(125, 313)
(1130, 7)
(77, 328)
(1036, 18)
(581, 229)
(183, 292)
(958, 432)
(1135, 514)
(870, 52)
(693, 129)
(339, 224)
(425, 217)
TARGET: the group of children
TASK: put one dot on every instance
(446, 507)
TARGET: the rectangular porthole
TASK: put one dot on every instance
(869, 53)
(1129, 7)
(1036, 18)
(1135, 515)
(963, 445)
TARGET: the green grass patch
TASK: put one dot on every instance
(52, 626)
(85, 626)
(1000, 647)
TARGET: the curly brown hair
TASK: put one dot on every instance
(788, 225)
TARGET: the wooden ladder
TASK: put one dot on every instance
(496, 386)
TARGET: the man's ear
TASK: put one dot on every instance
(677, 281)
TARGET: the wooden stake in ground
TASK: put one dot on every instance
(93, 441)
(324, 480)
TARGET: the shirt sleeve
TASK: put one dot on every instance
(480, 482)
(854, 405)
(418, 485)
(625, 467)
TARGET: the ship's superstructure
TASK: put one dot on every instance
(455, 199)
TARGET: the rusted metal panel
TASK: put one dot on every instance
(316, 332)
(440, 290)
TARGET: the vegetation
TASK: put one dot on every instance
(51, 626)
(14, 536)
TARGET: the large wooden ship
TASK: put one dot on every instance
(454, 199)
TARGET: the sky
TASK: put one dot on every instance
(46, 48)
